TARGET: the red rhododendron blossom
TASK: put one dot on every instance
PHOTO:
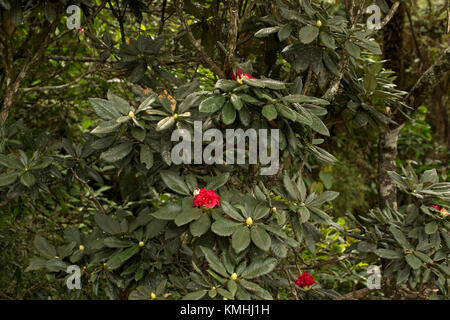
(305, 280)
(206, 198)
(241, 76)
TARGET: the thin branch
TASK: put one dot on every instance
(413, 33)
(74, 59)
(62, 86)
(206, 59)
(358, 294)
(98, 204)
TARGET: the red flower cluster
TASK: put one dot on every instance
(241, 76)
(305, 280)
(206, 198)
(441, 210)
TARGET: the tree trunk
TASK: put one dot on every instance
(387, 140)
(387, 154)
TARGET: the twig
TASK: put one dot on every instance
(358, 294)
(99, 206)
(207, 59)
(288, 276)
(62, 86)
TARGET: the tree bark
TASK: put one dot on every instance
(387, 154)
(387, 140)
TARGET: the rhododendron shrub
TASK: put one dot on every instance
(222, 230)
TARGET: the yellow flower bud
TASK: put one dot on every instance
(153, 296)
(233, 276)
(141, 243)
(131, 114)
(319, 23)
(444, 212)
(274, 209)
(249, 221)
(175, 116)
(81, 247)
(213, 288)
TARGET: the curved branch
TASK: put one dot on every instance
(206, 59)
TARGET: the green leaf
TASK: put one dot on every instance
(226, 85)
(303, 213)
(212, 104)
(147, 103)
(285, 32)
(165, 123)
(128, 253)
(231, 211)
(270, 112)
(388, 254)
(9, 162)
(214, 261)
(273, 84)
(244, 116)
(146, 156)
(400, 237)
(413, 261)
(106, 127)
(197, 295)
(286, 112)
(187, 215)
(117, 153)
(266, 32)
(240, 239)
(119, 104)
(236, 101)
(107, 224)
(364, 246)
(112, 242)
(255, 288)
(228, 113)
(327, 40)
(232, 286)
(299, 98)
(224, 227)
(44, 247)
(168, 212)
(218, 181)
(352, 49)
(318, 126)
(104, 109)
(260, 238)
(431, 227)
(200, 226)
(291, 188)
(36, 263)
(259, 268)
(175, 182)
(28, 179)
(8, 178)
(370, 82)
(308, 34)
(423, 257)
